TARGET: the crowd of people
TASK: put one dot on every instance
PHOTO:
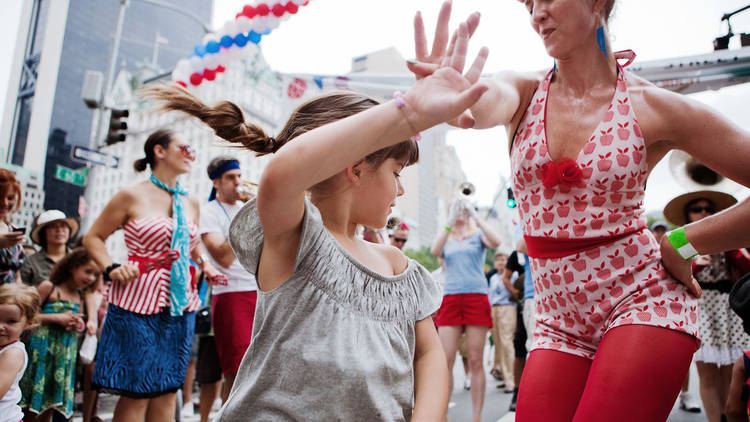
(293, 304)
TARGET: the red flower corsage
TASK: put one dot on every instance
(564, 171)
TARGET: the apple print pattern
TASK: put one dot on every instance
(581, 296)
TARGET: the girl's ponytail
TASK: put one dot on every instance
(225, 118)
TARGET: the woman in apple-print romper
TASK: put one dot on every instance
(615, 333)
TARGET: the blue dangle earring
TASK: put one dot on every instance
(601, 40)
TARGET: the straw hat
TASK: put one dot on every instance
(50, 216)
(674, 212)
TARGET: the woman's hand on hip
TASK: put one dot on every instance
(677, 267)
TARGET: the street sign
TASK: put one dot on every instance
(74, 177)
(86, 155)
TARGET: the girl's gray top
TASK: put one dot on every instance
(334, 342)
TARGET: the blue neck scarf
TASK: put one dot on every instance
(179, 277)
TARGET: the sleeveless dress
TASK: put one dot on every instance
(336, 341)
(617, 280)
(144, 351)
(724, 338)
(49, 380)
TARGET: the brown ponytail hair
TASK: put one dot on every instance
(228, 121)
(161, 137)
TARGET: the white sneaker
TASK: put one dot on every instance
(188, 410)
(688, 403)
(217, 405)
(467, 383)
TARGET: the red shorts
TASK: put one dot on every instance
(465, 309)
(232, 318)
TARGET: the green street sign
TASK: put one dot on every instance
(74, 177)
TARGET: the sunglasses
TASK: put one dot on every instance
(399, 239)
(697, 209)
(188, 151)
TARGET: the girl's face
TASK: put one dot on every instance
(7, 203)
(12, 323)
(377, 192)
(85, 275)
(178, 155)
(563, 25)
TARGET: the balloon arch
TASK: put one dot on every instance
(218, 49)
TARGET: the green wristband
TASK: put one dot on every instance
(448, 228)
(680, 243)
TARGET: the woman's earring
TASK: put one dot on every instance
(601, 40)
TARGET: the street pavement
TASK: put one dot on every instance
(495, 404)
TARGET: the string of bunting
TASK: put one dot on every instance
(218, 49)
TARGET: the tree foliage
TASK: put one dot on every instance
(424, 257)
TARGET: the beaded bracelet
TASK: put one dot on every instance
(400, 104)
(680, 243)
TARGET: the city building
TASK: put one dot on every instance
(249, 83)
(58, 41)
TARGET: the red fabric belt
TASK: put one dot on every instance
(163, 261)
(148, 264)
(552, 247)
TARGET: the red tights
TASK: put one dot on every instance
(636, 375)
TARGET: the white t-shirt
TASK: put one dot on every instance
(215, 218)
(9, 409)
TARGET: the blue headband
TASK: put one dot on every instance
(229, 165)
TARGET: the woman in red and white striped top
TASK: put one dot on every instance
(147, 335)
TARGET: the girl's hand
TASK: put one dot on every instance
(10, 239)
(91, 326)
(213, 276)
(447, 93)
(677, 267)
(69, 320)
(125, 273)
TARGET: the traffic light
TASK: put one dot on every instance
(117, 126)
(511, 202)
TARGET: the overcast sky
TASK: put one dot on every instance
(326, 34)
